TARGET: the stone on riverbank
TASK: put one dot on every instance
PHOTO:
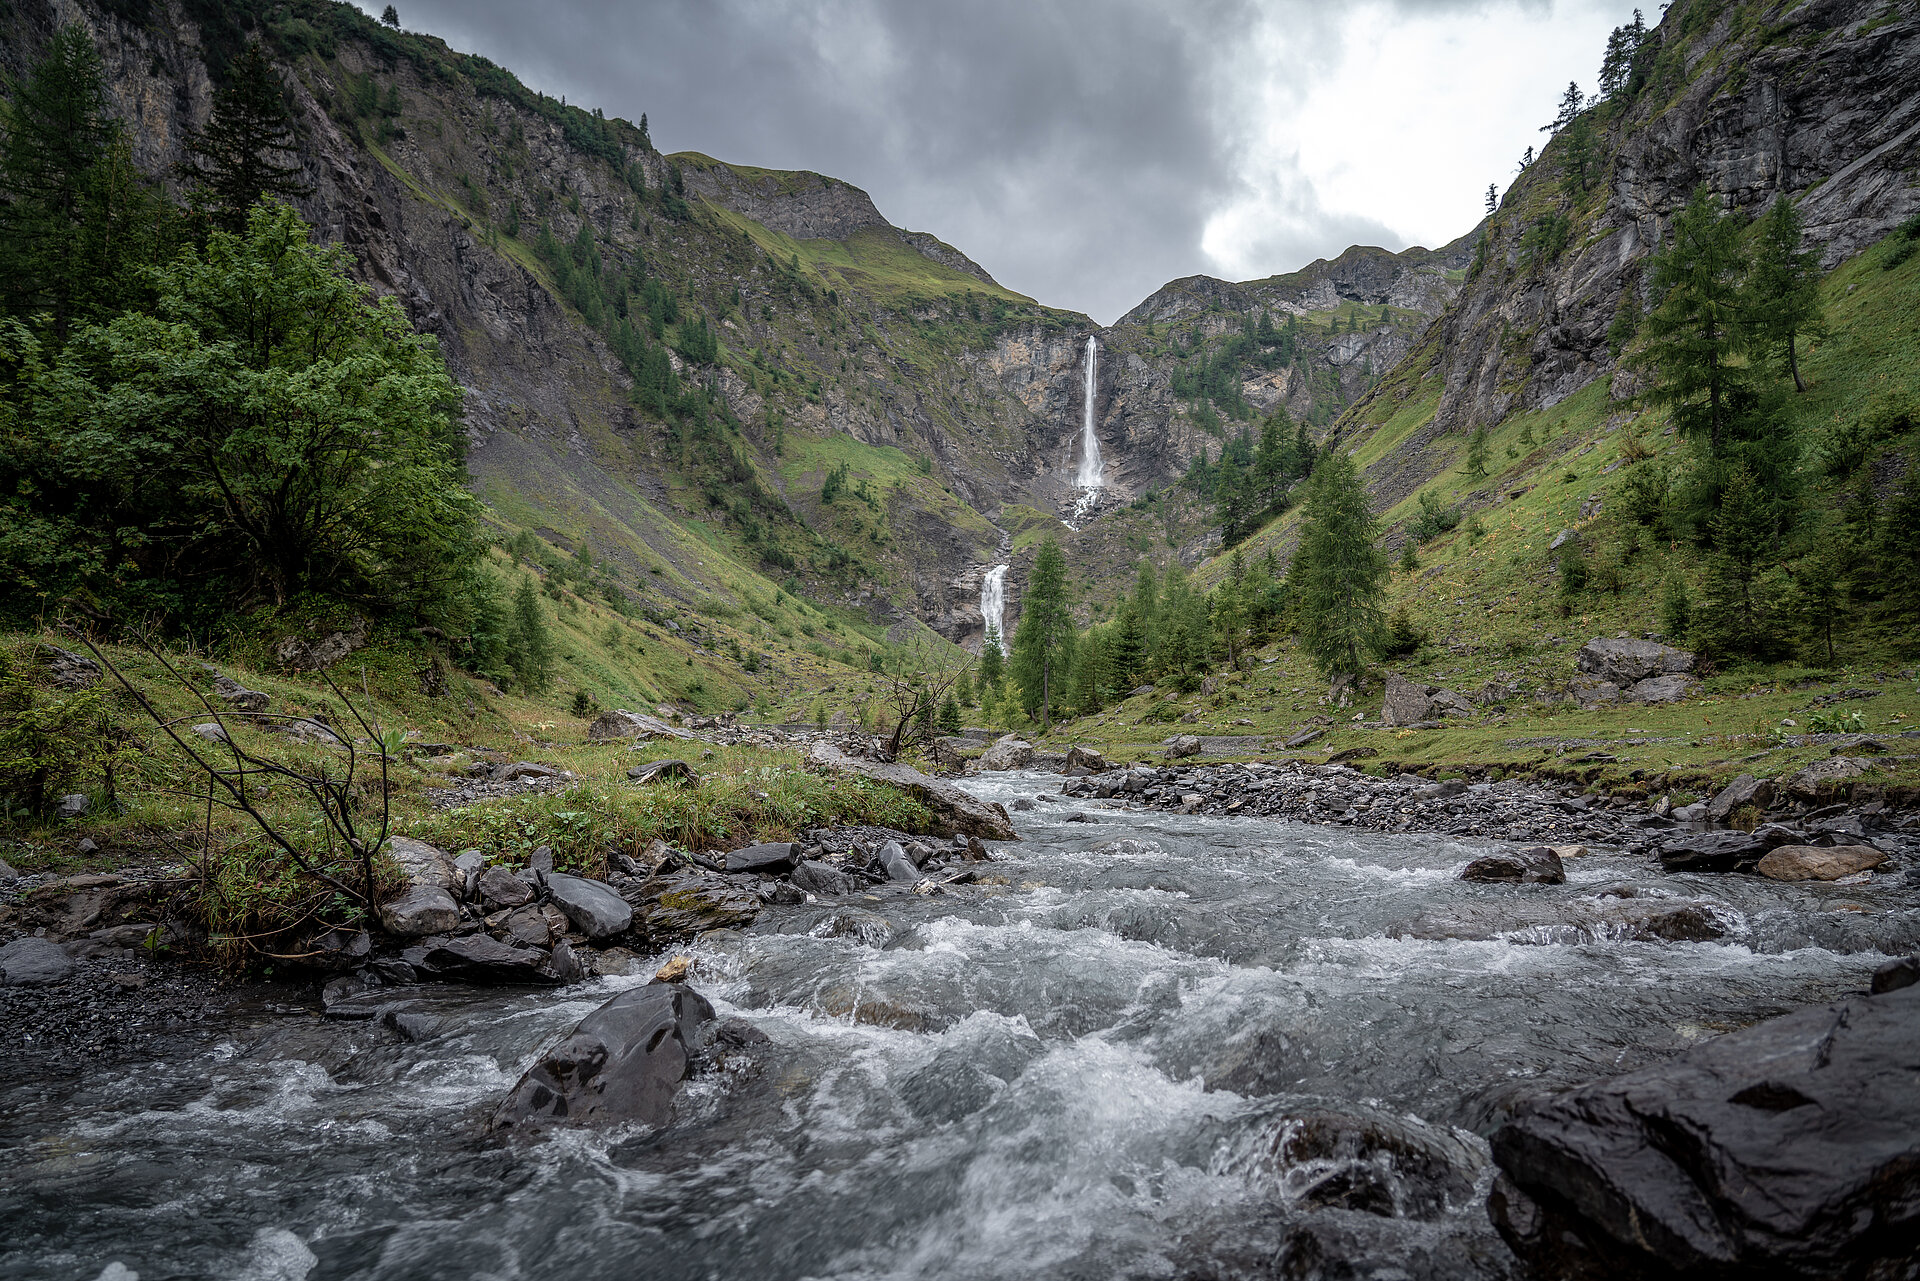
(955, 812)
(30, 961)
(1787, 1149)
(773, 857)
(1007, 752)
(595, 909)
(1814, 863)
(420, 910)
(625, 1061)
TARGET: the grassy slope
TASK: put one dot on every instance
(1491, 602)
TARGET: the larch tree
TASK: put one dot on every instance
(1339, 571)
(1782, 290)
(1695, 332)
(1043, 643)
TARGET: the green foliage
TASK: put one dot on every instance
(1544, 239)
(1694, 331)
(1782, 293)
(1404, 636)
(247, 149)
(1477, 451)
(1740, 614)
(1432, 516)
(949, 717)
(529, 644)
(51, 742)
(1339, 570)
(1043, 643)
(1901, 244)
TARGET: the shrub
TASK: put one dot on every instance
(1432, 517)
(1404, 636)
(51, 742)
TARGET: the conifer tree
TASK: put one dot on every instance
(1571, 103)
(529, 645)
(992, 660)
(1126, 648)
(1694, 333)
(247, 149)
(1089, 672)
(1493, 199)
(1146, 599)
(1477, 451)
(1339, 571)
(1739, 610)
(1783, 289)
(1823, 591)
(1043, 643)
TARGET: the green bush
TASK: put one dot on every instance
(51, 742)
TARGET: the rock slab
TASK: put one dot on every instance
(1538, 865)
(31, 962)
(955, 812)
(625, 1061)
(1787, 1149)
(1817, 863)
(595, 909)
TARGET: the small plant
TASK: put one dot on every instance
(1403, 635)
(583, 704)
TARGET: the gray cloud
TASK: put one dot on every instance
(1075, 149)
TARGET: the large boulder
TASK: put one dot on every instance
(476, 958)
(1007, 752)
(625, 1061)
(955, 813)
(620, 723)
(1817, 863)
(31, 961)
(1181, 746)
(1787, 1149)
(238, 696)
(420, 910)
(1625, 662)
(596, 910)
(500, 888)
(670, 909)
(1670, 688)
(771, 857)
(422, 863)
(1822, 777)
(1405, 702)
(1729, 851)
(1536, 865)
(1743, 792)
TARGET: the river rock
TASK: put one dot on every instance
(31, 962)
(893, 858)
(1728, 851)
(1370, 1161)
(1626, 662)
(477, 958)
(595, 909)
(1814, 863)
(1536, 865)
(669, 909)
(1007, 752)
(955, 812)
(1824, 776)
(1787, 1149)
(820, 878)
(422, 863)
(772, 857)
(625, 1061)
(1086, 758)
(1895, 975)
(500, 888)
(420, 910)
(1744, 791)
(1181, 746)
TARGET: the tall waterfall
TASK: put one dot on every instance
(1091, 467)
(993, 603)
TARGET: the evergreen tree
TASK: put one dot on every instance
(529, 646)
(1823, 591)
(1146, 599)
(1617, 63)
(391, 16)
(950, 715)
(1738, 614)
(1571, 103)
(1694, 332)
(1339, 571)
(1043, 643)
(247, 149)
(963, 690)
(1783, 289)
(1579, 158)
(1898, 559)
(1089, 672)
(992, 661)
(1493, 199)
(1477, 450)
(1126, 650)
(1228, 614)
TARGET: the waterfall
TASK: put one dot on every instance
(993, 603)
(1091, 467)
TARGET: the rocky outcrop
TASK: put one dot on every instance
(625, 1061)
(1784, 1150)
(955, 811)
(1408, 702)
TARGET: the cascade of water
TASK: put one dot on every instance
(1091, 468)
(993, 601)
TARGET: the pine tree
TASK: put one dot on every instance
(993, 661)
(1823, 591)
(1738, 613)
(1578, 156)
(1571, 103)
(1477, 450)
(529, 646)
(1146, 599)
(391, 17)
(1898, 558)
(950, 715)
(1493, 200)
(1782, 296)
(1694, 333)
(963, 690)
(1043, 643)
(1089, 672)
(247, 149)
(1339, 571)
(1127, 648)
(1228, 610)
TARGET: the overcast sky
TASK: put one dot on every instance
(1085, 152)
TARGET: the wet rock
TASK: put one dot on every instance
(527, 927)
(1744, 792)
(667, 771)
(595, 909)
(1537, 865)
(423, 864)
(540, 863)
(625, 1061)
(1373, 1162)
(31, 961)
(893, 859)
(668, 909)
(500, 888)
(477, 958)
(238, 696)
(1022, 803)
(1729, 851)
(1007, 753)
(823, 879)
(1895, 975)
(1814, 863)
(855, 923)
(420, 910)
(954, 811)
(565, 964)
(1086, 758)
(1624, 661)
(1786, 1149)
(771, 857)
(336, 949)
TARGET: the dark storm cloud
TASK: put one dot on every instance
(1074, 149)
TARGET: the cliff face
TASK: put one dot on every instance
(1817, 101)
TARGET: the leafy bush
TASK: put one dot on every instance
(1432, 517)
(51, 742)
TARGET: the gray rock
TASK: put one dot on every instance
(7, 873)
(899, 867)
(1786, 1149)
(309, 731)
(69, 670)
(212, 731)
(1591, 691)
(1536, 865)
(420, 910)
(540, 862)
(1895, 975)
(822, 878)
(1816, 863)
(422, 863)
(500, 888)
(73, 805)
(30, 962)
(1625, 661)
(1086, 758)
(566, 966)
(1728, 851)
(1448, 703)
(1007, 752)
(1405, 703)
(771, 857)
(666, 771)
(1662, 689)
(522, 769)
(595, 909)
(619, 724)
(1694, 813)
(232, 692)
(1301, 739)
(476, 958)
(1182, 746)
(625, 1061)
(956, 811)
(1824, 776)
(1743, 792)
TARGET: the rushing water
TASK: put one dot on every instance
(993, 604)
(1092, 473)
(1090, 1071)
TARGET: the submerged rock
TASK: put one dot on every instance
(625, 1061)
(1787, 1149)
